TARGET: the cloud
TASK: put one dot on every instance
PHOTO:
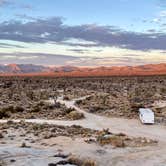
(161, 3)
(53, 30)
(83, 51)
(35, 58)
(15, 4)
(26, 6)
(160, 18)
(130, 60)
(5, 2)
(25, 17)
(60, 60)
(79, 44)
(5, 45)
(162, 13)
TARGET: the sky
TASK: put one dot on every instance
(83, 32)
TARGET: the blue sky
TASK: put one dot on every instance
(126, 14)
(86, 32)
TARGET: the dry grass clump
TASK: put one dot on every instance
(49, 131)
(74, 115)
(74, 160)
(122, 140)
(36, 109)
(5, 112)
(81, 162)
(105, 138)
(19, 109)
(66, 98)
(113, 140)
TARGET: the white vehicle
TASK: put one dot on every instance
(146, 116)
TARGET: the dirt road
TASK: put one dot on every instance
(130, 127)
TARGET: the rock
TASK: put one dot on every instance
(52, 164)
(63, 162)
(90, 140)
(12, 160)
(23, 145)
(61, 155)
(101, 152)
(9, 122)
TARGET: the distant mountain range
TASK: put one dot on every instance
(30, 69)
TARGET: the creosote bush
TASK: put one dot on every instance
(74, 115)
(81, 162)
(36, 109)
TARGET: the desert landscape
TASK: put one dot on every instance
(81, 121)
(83, 83)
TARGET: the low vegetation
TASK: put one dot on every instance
(121, 140)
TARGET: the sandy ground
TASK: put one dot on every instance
(27, 156)
(107, 156)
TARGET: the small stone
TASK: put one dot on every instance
(12, 160)
(23, 145)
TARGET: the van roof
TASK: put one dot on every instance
(145, 111)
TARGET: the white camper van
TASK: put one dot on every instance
(146, 116)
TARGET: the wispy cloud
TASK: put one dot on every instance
(83, 51)
(35, 58)
(5, 45)
(14, 4)
(161, 3)
(5, 2)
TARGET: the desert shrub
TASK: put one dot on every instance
(66, 98)
(95, 109)
(37, 127)
(9, 109)
(78, 102)
(106, 137)
(1, 136)
(4, 114)
(113, 140)
(163, 90)
(74, 115)
(68, 110)
(89, 163)
(57, 105)
(41, 103)
(81, 162)
(36, 109)
(19, 109)
(89, 98)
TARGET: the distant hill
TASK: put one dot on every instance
(22, 68)
(30, 69)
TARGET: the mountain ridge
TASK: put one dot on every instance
(31, 69)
